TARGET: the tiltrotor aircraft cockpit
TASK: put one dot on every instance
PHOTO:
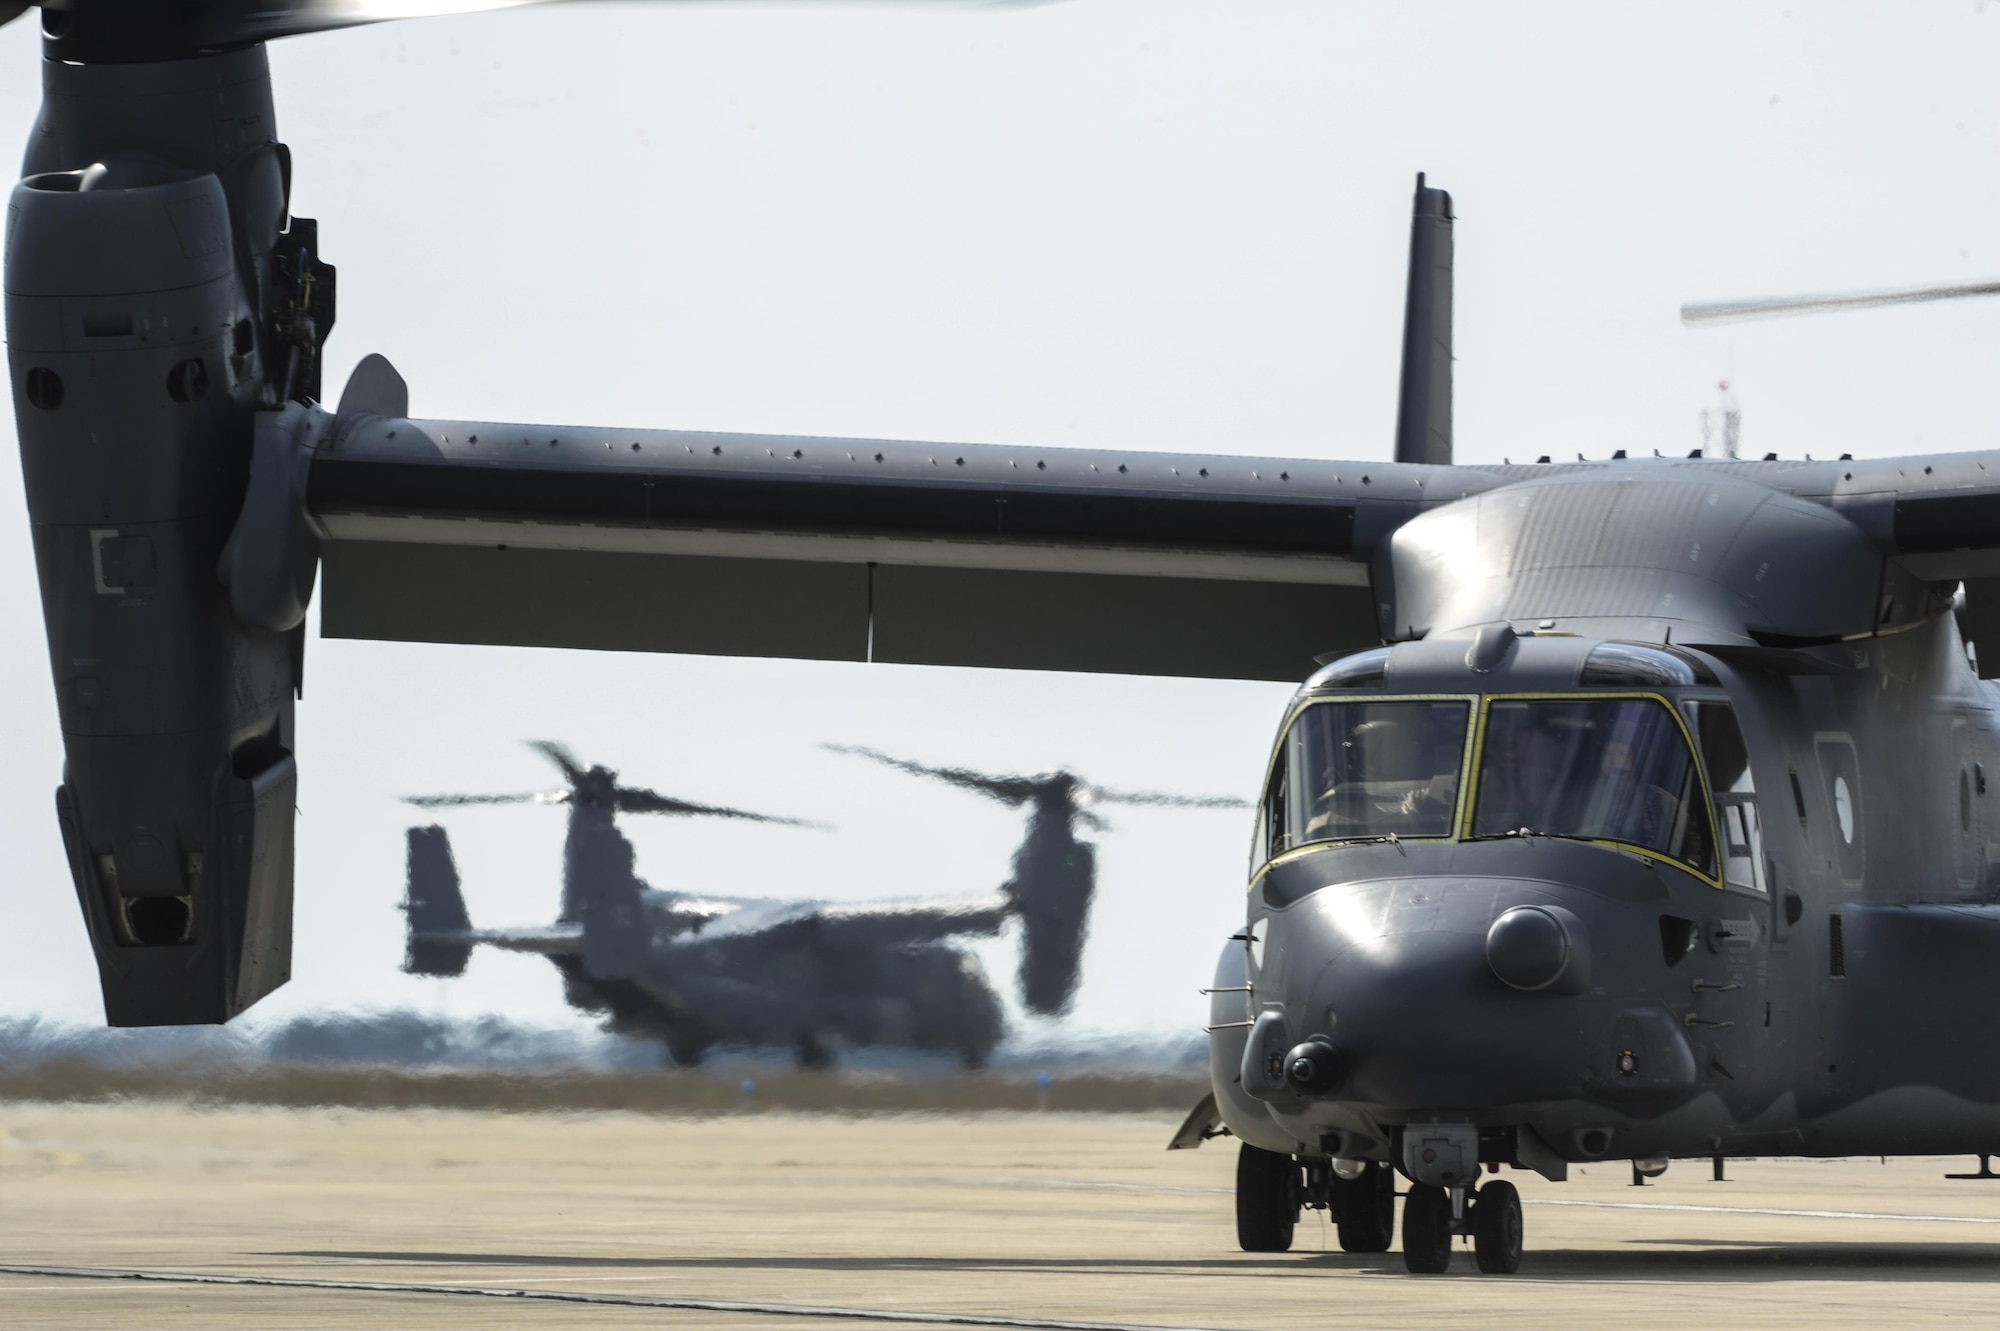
(1641, 809)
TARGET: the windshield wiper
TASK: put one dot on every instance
(1385, 839)
(1522, 832)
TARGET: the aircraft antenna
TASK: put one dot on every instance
(1722, 424)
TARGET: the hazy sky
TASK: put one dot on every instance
(1144, 224)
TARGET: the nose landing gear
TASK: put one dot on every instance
(1272, 1189)
(1496, 1228)
(1492, 1216)
(1267, 1199)
(1364, 1206)
(1427, 1227)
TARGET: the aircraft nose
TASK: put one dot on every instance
(1425, 993)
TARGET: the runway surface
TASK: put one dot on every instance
(340, 1218)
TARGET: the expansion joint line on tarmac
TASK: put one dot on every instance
(577, 1296)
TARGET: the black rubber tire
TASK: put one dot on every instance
(686, 1052)
(1426, 1229)
(1364, 1209)
(1496, 1228)
(1267, 1200)
(813, 1054)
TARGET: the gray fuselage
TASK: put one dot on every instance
(1807, 973)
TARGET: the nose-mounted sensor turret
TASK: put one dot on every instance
(1315, 1067)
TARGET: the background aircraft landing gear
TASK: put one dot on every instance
(1492, 1216)
(1267, 1199)
(1364, 1208)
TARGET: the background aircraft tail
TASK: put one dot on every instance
(434, 908)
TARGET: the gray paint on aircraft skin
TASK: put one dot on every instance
(164, 315)
(1841, 1065)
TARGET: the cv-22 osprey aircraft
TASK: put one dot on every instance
(696, 969)
(1710, 873)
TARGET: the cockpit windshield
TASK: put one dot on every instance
(1353, 769)
(1603, 769)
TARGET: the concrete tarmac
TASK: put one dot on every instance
(1031, 1216)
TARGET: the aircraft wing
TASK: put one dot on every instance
(918, 921)
(559, 940)
(852, 549)
(895, 921)
(1937, 516)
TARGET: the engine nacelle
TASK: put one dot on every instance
(140, 325)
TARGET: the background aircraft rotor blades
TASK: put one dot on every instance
(1161, 800)
(1014, 790)
(456, 801)
(559, 754)
(636, 799)
(1729, 311)
(598, 787)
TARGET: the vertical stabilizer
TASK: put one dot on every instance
(434, 907)
(1423, 414)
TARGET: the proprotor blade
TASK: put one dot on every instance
(1727, 311)
(1007, 789)
(1160, 800)
(637, 799)
(560, 755)
(456, 801)
(126, 31)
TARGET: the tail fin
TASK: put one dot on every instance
(1423, 415)
(434, 908)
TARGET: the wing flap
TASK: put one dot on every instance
(1209, 629)
(501, 595)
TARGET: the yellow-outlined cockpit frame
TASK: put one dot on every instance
(1480, 705)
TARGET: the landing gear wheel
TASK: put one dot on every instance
(812, 1052)
(1267, 1199)
(1364, 1209)
(1426, 1229)
(686, 1051)
(1496, 1228)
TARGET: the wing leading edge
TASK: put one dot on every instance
(838, 549)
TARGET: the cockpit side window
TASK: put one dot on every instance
(1727, 759)
(1722, 748)
(1355, 770)
(1599, 769)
